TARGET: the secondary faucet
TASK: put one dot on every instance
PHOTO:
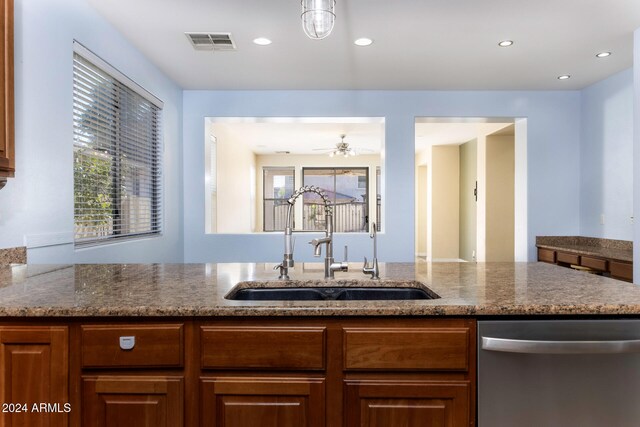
(330, 267)
(373, 270)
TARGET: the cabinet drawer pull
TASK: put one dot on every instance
(127, 343)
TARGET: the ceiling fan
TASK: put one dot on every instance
(342, 149)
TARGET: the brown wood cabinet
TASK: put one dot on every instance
(262, 401)
(242, 372)
(621, 270)
(154, 345)
(115, 401)
(34, 370)
(7, 148)
(132, 373)
(616, 269)
(407, 403)
(260, 347)
(359, 371)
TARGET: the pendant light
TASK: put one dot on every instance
(318, 17)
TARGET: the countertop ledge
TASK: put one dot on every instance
(198, 290)
(612, 254)
(615, 250)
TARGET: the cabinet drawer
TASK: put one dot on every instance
(568, 258)
(406, 349)
(546, 255)
(595, 263)
(231, 347)
(105, 346)
(621, 270)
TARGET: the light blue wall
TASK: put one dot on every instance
(606, 158)
(39, 201)
(553, 145)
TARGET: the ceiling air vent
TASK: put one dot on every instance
(211, 41)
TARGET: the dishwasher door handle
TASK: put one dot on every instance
(560, 347)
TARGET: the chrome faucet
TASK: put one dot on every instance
(373, 269)
(329, 265)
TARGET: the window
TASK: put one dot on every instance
(348, 190)
(116, 153)
(278, 187)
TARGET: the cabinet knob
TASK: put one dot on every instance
(127, 343)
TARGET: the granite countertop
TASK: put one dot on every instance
(616, 250)
(199, 290)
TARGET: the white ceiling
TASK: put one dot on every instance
(268, 137)
(418, 44)
(453, 133)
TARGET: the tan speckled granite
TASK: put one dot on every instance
(617, 250)
(199, 290)
(13, 256)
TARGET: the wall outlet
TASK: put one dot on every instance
(631, 219)
(601, 219)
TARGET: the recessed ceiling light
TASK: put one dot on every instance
(603, 54)
(363, 41)
(564, 77)
(262, 41)
(505, 43)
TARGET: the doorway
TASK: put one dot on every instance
(468, 173)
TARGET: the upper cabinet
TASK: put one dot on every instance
(7, 149)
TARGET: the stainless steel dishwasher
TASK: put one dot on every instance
(565, 373)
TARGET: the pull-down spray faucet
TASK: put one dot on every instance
(329, 265)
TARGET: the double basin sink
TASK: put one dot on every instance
(332, 291)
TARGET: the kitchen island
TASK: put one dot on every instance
(160, 344)
(193, 290)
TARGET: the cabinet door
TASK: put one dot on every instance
(34, 370)
(132, 401)
(407, 403)
(7, 161)
(262, 402)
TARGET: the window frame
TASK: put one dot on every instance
(152, 160)
(333, 202)
(264, 199)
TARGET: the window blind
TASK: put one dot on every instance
(117, 155)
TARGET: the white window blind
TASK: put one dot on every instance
(117, 154)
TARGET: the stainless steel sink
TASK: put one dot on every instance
(273, 291)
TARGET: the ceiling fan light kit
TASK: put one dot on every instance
(342, 149)
(318, 17)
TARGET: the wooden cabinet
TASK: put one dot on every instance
(338, 372)
(7, 150)
(621, 270)
(567, 258)
(594, 263)
(616, 269)
(113, 401)
(546, 255)
(262, 402)
(241, 372)
(132, 346)
(34, 370)
(260, 347)
(407, 403)
(132, 374)
(415, 376)
(401, 349)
